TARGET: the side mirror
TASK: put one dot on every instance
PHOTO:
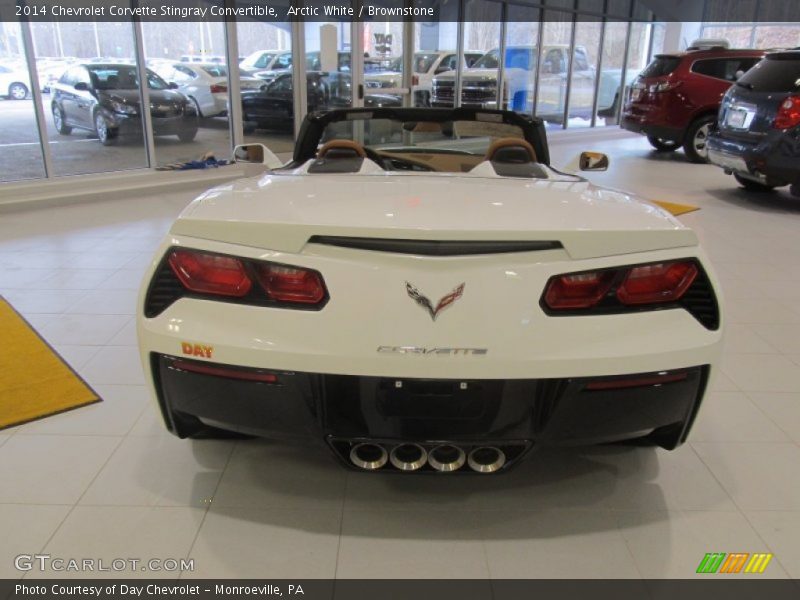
(593, 161)
(172, 85)
(257, 154)
(81, 86)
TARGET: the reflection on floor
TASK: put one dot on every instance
(108, 481)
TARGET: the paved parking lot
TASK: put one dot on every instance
(81, 152)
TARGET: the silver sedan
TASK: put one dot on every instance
(206, 85)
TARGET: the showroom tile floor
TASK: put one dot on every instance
(107, 481)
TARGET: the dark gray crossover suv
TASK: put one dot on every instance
(757, 138)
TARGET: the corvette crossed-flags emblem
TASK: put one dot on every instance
(425, 303)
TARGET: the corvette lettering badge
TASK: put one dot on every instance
(425, 303)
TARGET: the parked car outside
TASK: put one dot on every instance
(206, 85)
(758, 133)
(104, 99)
(675, 100)
(14, 82)
(273, 107)
(265, 60)
(425, 66)
(479, 83)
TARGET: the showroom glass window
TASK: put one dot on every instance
(193, 118)
(92, 125)
(265, 50)
(435, 59)
(588, 32)
(20, 149)
(554, 69)
(482, 35)
(522, 32)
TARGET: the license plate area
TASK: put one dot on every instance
(435, 399)
(739, 116)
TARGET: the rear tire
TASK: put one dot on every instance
(696, 145)
(662, 145)
(753, 186)
(17, 91)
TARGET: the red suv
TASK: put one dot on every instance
(675, 100)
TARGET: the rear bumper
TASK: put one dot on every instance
(774, 159)
(659, 130)
(317, 407)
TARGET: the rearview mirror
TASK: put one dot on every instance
(593, 161)
(257, 154)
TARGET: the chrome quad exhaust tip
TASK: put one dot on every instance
(486, 459)
(408, 457)
(368, 456)
(447, 458)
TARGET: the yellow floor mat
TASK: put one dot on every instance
(35, 381)
(676, 209)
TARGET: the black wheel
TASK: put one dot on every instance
(106, 134)
(753, 186)
(17, 91)
(662, 145)
(60, 123)
(696, 144)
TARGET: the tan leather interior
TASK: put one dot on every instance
(350, 145)
(442, 163)
(503, 143)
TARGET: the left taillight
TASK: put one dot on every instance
(206, 273)
(290, 284)
(219, 88)
(632, 286)
(240, 279)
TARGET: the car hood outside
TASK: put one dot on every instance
(282, 211)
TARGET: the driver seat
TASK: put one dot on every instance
(339, 156)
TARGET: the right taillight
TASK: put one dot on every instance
(219, 88)
(788, 113)
(656, 283)
(632, 286)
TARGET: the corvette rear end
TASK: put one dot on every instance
(429, 322)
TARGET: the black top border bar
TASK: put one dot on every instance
(424, 11)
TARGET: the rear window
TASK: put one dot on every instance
(724, 68)
(776, 73)
(661, 66)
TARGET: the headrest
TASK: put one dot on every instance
(342, 149)
(511, 150)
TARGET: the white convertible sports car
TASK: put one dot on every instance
(420, 290)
